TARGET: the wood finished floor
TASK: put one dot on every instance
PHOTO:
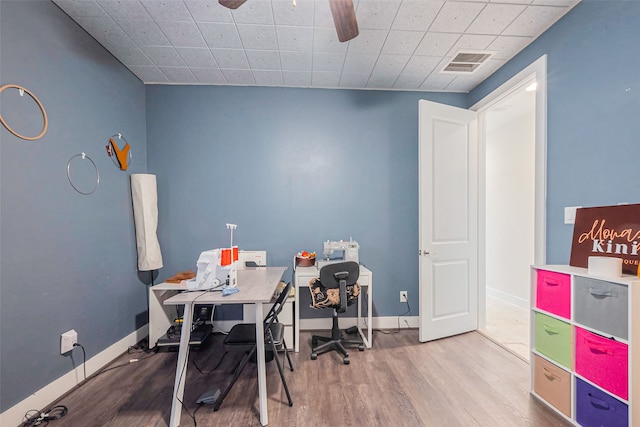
(466, 380)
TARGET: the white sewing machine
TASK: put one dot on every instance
(212, 273)
(349, 250)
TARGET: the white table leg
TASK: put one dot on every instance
(296, 321)
(181, 368)
(262, 368)
(369, 313)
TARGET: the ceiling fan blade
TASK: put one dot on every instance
(232, 4)
(344, 18)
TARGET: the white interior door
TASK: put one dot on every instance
(448, 223)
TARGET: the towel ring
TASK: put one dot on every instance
(44, 114)
(83, 156)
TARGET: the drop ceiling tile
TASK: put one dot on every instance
(494, 18)
(297, 78)
(78, 8)
(460, 84)
(182, 33)
(239, 77)
(167, 10)
(231, 58)
(532, 22)
(325, 79)
(390, 65)
(149, 74)
(208, 11)
(416, 15)
(326, 61)
(268, 77)
(377, 15)
(296, 61)
(369, 41)
(294, 38)
(129, 55)
(209, 75)
(353, 80)
(422, 65)
(179, 74)
(437, 82)
(402, 42)
(254, 12)
(381, 81)
(104, 30)
(326, 40)
(263, 59)
(144, 32)
(163, 56)
(519, 1)
(471, 42)
(260, 37)
(197, 57)
(125, 9)
(219, 35)
(507, 46)
(359, 63)
(436, 44)
(570, 3)
(284, 13)
(408, 81)
(322, 14)
(455, 17)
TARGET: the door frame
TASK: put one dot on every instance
(536, 71)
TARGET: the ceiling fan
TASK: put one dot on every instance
(344, 16)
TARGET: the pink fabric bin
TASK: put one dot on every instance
(603, 361)
(553, 293)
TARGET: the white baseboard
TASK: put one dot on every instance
(390, 322)
(14, 416)
(508, 298)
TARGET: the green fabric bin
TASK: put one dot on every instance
(553, 339)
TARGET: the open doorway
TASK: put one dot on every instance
(509, 219)
(513, 187)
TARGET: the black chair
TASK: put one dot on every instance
(332, 276)
(242, 338)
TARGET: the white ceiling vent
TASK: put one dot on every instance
(466, 62)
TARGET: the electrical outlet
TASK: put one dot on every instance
(67, 340)
(403, 296)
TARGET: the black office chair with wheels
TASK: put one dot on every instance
(242, 338)
(338, 286)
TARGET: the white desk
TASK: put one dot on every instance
(301, 278)
(257, 286)
(161, 316)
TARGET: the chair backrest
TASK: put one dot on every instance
(340, 275)
(276, 308)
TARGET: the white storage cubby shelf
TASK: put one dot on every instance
(585, 345)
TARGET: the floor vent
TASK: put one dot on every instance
(466, 62)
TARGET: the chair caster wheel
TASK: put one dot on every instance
(291, 404)
(361, 347)
(346, 360)
(314, 356)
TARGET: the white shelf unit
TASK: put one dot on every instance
(585, 339)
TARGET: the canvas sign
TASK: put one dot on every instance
(607, 231)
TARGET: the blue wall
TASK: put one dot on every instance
(67, 260)
(593, 107)
(293, 168)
